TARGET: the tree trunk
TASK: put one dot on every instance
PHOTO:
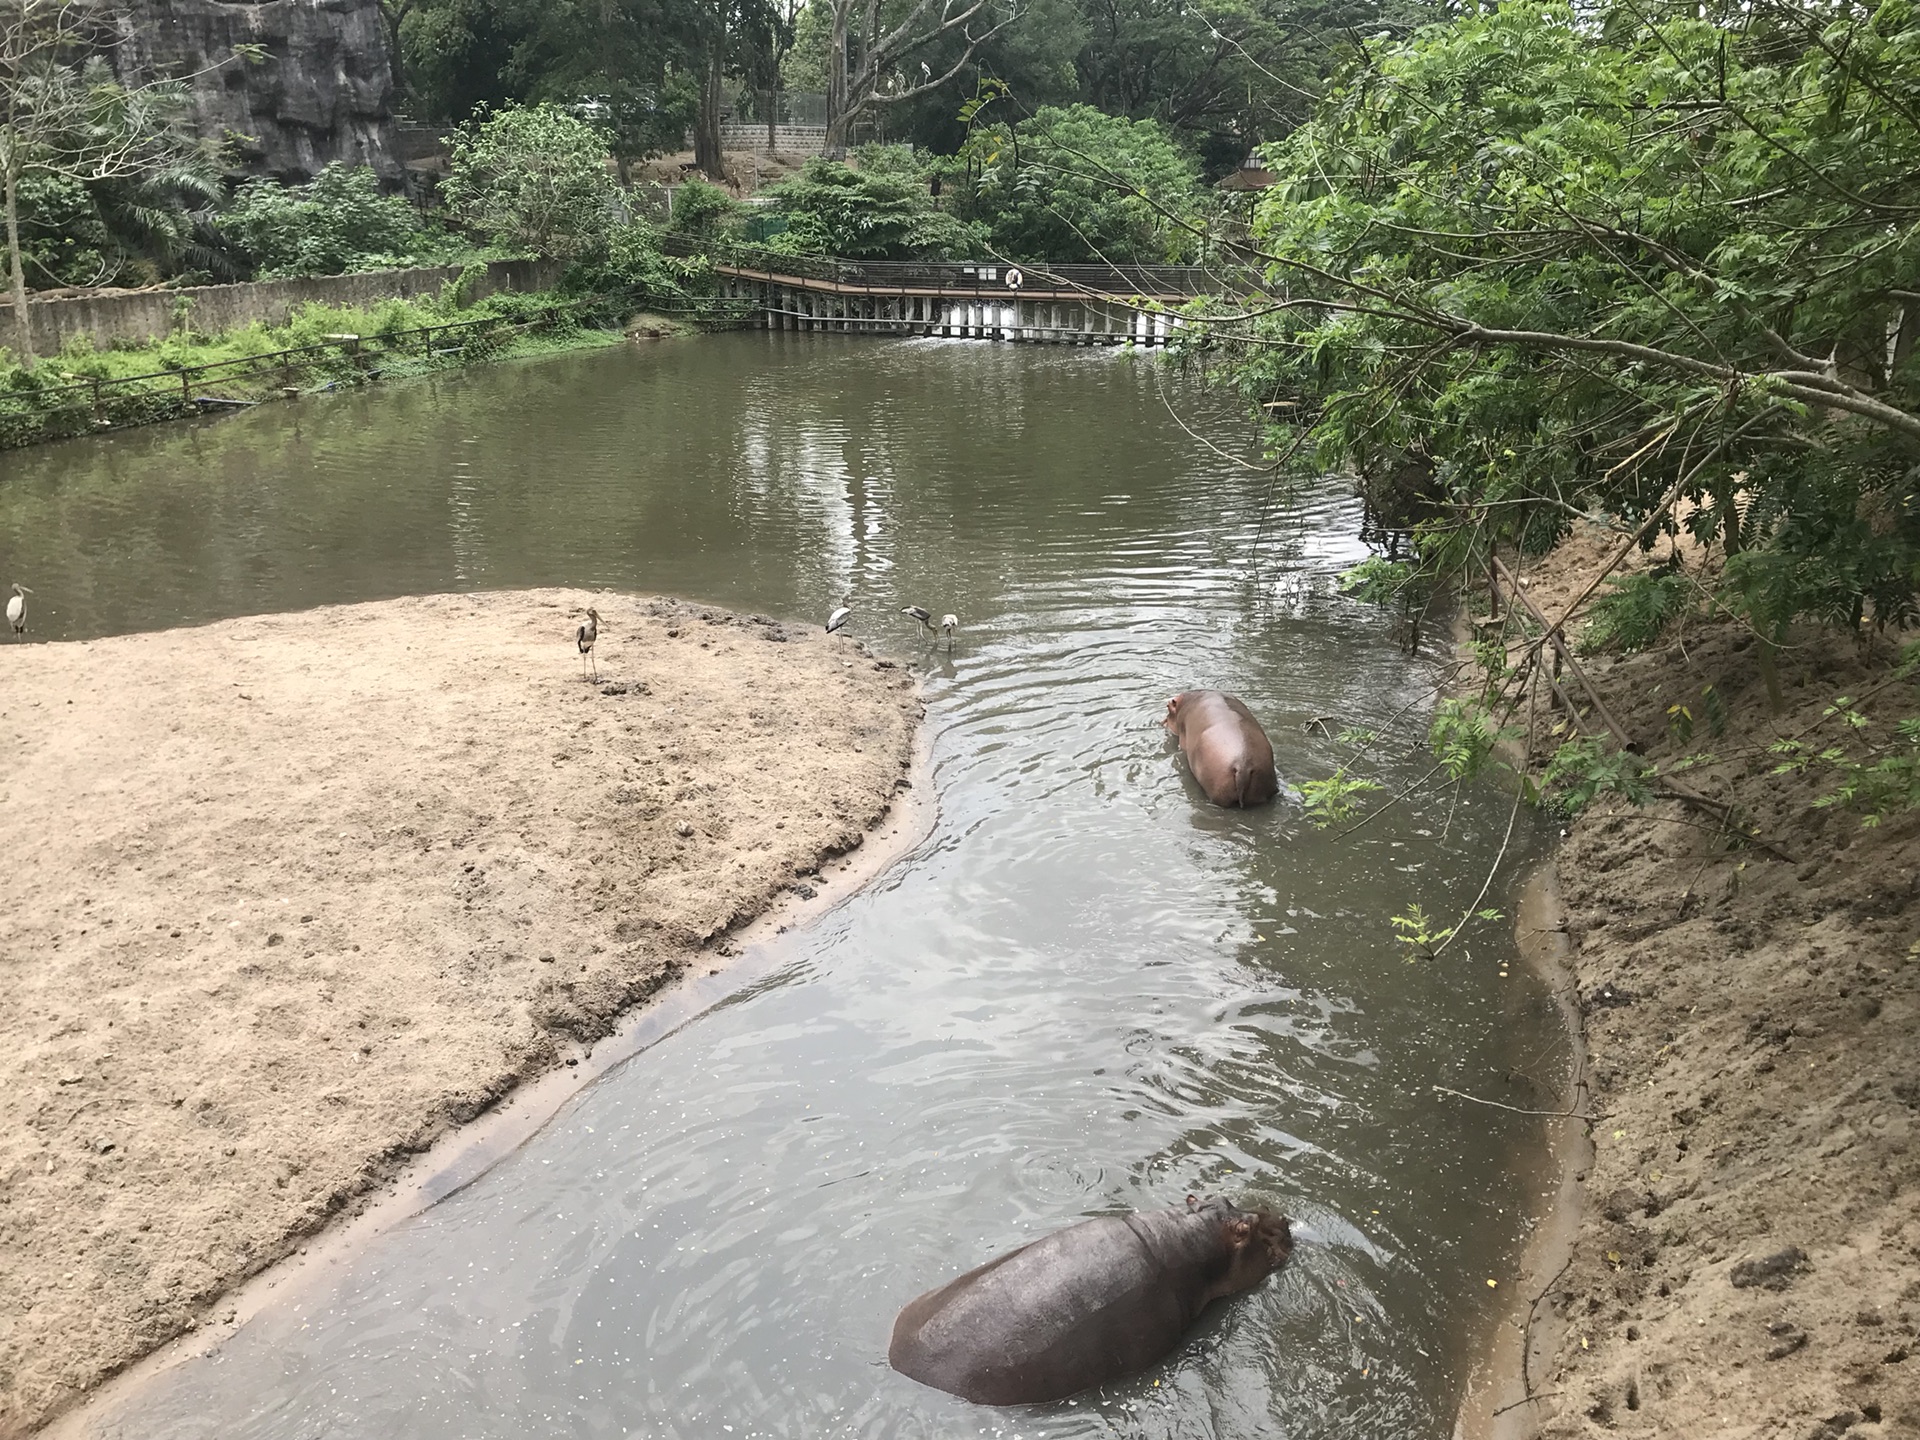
(17, 276)
(837, 117)
(1731, 543)
(773, 109)
(706, 122)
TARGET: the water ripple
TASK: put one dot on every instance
(1089, 992)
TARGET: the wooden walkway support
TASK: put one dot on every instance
(1106, 305)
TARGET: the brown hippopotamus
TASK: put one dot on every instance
(1092, 1303)
(1225, 747)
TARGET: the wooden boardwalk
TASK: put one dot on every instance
(1060, 305)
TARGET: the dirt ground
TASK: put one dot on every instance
(748, 171)
(1748, 1261)
(289, 896)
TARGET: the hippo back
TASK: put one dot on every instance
(1086, 1305)
(1226, 749)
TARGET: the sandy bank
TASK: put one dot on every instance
(291, 895)
(1745, 1262)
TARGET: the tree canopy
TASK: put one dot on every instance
(1074, 184)
(1657, 264)
(533, 179)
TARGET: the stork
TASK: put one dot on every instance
(920, 613)
(949, 627)
(839, 617)
(584, 638)
(17, 610)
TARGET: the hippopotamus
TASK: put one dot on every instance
(1086, 1305)
(1225, 747)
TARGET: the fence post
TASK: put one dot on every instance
(98, 418)
(186, 392)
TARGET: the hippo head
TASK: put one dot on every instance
(1173, 708)
(1258, 1242)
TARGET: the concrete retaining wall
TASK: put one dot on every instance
(787, 139)
(130, 319)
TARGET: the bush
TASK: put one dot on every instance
(881, 211)
(533, 180)
(1636, 613)
(337, 222)
(699, 208)
(1071, 185)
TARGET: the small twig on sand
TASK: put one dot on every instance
(1514, 1109)
(1526, 1336)
(1516, 1404)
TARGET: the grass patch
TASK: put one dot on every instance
(84, 390)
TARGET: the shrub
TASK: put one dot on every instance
(533, 179)
(881, 211)
(337, 222)
(1635, 613)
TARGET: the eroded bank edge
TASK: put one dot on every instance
(1507, 1395)
(528, 1099)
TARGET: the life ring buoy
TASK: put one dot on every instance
(1014, 278)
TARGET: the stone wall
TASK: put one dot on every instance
(143, 315)
(324, 92)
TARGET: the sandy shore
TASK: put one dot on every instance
(1747, 1257)
(290, 896)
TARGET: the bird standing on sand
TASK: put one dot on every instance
(584, 638)
(17, 610)
(949, 627)
(839, 617)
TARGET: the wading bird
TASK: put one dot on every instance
(838, 618)
(949, 627)
(17, 610)
(920, 613)
(584, 638)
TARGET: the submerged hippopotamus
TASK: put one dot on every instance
(1225, 747)
(1089, 1304)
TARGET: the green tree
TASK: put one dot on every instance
(338, 221)
(534, 179)
(64, 117)
(1072, 184)
(880, 211)
(878, 57)
(1575, 260)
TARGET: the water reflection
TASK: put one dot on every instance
(1088, 992)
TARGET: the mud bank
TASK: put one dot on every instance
(1745, 1258)
(304, 892)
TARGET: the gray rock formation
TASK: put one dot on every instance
(324, 93)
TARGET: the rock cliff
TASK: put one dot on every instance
(324, 92)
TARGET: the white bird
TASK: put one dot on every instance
(949, 626)
(920, 613)
(17, 609)
(584, 638)
(838, 618)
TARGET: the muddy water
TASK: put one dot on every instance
(1087, 992)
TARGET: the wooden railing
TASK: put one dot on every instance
(976, 278)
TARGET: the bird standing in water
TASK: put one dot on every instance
(949, 627)
(920, 613)
(584, 638)
(17, 610)
(839, 617)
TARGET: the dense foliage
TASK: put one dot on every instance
(1560, 261)
(884, 210)
(1074, 184)
(532, 179)
(336, 223)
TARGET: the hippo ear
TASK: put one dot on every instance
(1240, 1231)
(1193, 1202)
